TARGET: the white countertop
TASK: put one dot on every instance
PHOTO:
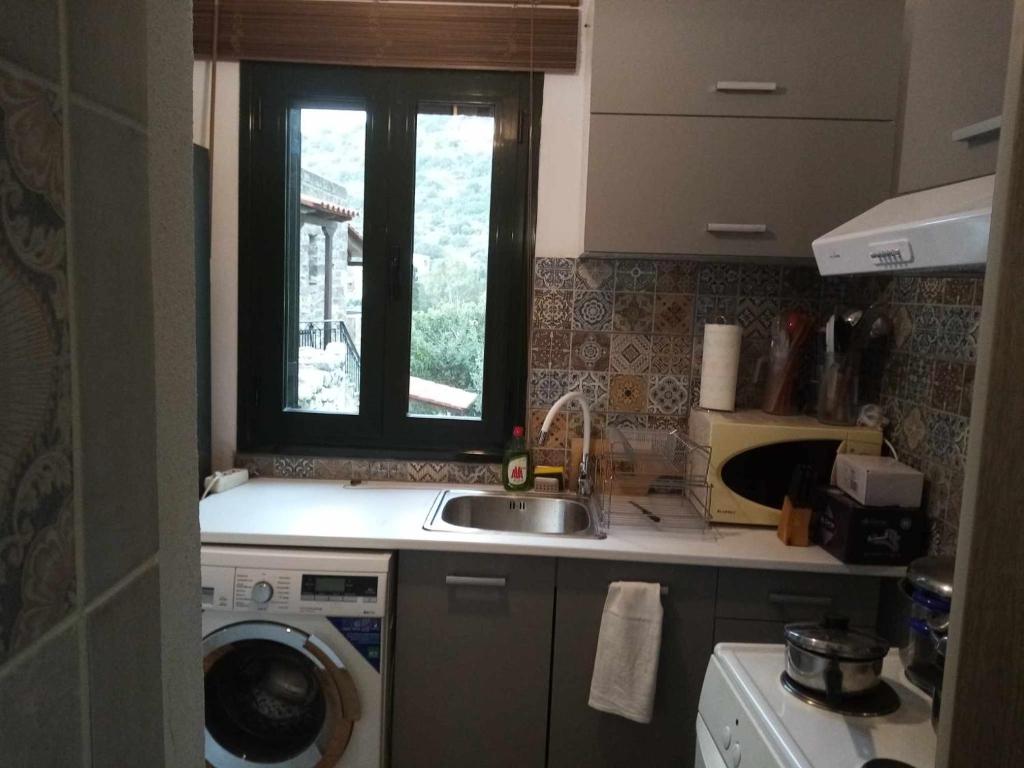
(380, 515)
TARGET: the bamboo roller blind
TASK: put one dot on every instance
(451, 34)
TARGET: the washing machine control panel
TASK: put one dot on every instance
(295, 592)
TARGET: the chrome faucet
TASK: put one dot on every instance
(585, 484)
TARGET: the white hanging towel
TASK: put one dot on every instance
(626, 665)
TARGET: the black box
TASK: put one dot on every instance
(862, 535)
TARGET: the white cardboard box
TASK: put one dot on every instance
(879, 481)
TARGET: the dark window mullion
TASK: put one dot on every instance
(401, 170)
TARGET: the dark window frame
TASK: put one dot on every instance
(267, 223)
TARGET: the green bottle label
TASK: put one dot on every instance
(517, 470)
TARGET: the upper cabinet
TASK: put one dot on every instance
(759, 58)
(738, 128)
(955, 80)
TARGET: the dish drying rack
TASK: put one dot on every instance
(655, 479)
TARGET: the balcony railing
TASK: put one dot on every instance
(319, 333)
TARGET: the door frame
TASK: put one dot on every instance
(983, 692)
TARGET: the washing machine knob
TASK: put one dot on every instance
(726, 737)
(261, 592)
(734, 755)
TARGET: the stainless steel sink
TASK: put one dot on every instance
(490, 512)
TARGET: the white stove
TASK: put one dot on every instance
(746, 719)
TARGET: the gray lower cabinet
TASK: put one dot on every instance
(472, 660)
(581, 736)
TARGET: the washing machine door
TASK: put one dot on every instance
(276, 697)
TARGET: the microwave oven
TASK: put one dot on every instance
(753, 455)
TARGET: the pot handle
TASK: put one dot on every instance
(833, 681)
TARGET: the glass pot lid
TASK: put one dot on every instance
(833, 637)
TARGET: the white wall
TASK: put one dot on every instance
(560, 204)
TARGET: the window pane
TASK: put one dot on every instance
(330, 257)
(451, 232)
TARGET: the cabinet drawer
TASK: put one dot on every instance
(839, 58)
(955, 80)
(781, 596)
(655, 183)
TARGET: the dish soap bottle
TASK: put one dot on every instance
(517, 468)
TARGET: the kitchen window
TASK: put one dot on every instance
(383, 258)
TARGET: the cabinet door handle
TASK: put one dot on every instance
(746, 229)
(786, 598)
(976, 130)
(746, 86)
(497, 582)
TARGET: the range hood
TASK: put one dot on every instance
(941, 228)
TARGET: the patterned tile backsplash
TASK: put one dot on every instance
(629, 332)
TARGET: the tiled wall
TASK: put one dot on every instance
(81, 640)
(927, 382)
(629, 333)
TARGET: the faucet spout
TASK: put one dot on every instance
(584, 473)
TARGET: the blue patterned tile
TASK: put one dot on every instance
(635, 275)
(668, 395)
(800, 283)
(593, 385)
(915, 381)
(592, 310)
(713, 309)
(594, 275)
(633, 313)
(924, 340)
(760, 280)
(553, 274)
(756, 315)
(946, 441)
(677, 276)
(547, 386)
(718, 279)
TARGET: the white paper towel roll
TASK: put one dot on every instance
(719, 366)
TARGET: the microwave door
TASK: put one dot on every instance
(762, 474)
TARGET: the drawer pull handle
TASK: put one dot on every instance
(746, 86)
(475, 581)
(977, 130)
(784, 598)
(744, 229)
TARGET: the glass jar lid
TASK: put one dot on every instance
(932, 574)
(833, 637)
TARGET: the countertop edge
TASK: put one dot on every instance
(542, 549)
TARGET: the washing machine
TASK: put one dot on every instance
(295, 657)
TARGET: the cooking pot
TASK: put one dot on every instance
(928, 588)
(830, 658)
